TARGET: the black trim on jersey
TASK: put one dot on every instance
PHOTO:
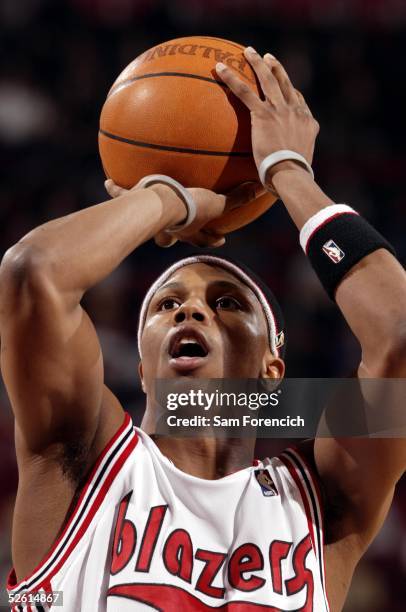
(27, 585)
(315, 510)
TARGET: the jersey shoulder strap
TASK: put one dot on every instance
(108, 465)
(308, 484)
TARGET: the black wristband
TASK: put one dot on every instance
(338, 244)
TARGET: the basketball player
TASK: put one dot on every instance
(118, 519)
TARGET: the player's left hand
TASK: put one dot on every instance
(282, 120)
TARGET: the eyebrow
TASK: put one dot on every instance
(221, 284)
(172, 285)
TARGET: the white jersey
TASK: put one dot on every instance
(146, 536)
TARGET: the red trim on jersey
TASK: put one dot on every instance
(315, 481)
(94, 507)
(316, 229)
(292, 470)
(12, 578)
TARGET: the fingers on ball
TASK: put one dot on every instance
(237, 86)
(263, 71)
(282, 77)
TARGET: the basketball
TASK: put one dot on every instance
(168, 113)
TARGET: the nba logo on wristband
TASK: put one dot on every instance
(356, 237)
(333, 251)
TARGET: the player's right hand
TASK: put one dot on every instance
(209, 206)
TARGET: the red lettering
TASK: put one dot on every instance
(125, 538)
(247, 558)
(213, 561)
(178, 557)
(303, 576)
(150, 537)
(178, 554)
(278, 550)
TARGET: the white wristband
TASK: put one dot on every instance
(279, 156)
(182, 192)
(319, 219)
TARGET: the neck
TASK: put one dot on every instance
(205, 457)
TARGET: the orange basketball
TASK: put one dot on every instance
(169, 113)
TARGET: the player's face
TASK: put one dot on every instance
(204, 323)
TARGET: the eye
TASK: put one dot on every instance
(168, 304)
(228, 303)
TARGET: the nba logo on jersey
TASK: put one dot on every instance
(266, 483)
(333, 251)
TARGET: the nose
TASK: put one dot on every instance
(188, 311)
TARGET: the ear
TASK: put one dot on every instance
(141, 375)
(272, 367)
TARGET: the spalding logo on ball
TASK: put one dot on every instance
(168, 113)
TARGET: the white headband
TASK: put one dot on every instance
(275, 339)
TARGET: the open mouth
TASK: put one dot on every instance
(188, 347)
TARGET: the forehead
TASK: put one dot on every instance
(202, 274)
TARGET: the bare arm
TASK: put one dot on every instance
(372, 298)
(50, 355)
